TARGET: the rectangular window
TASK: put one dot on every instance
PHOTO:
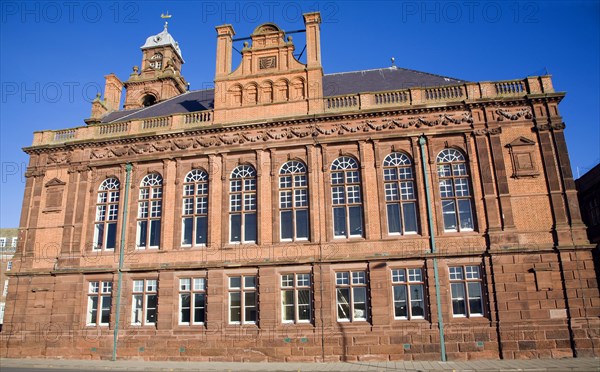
(144, 302)
(5, 289)
(351, 294)
(2, 242)
(408, 294)
(14, 242)
(99, 303)
(467, 297)
(296, 298)
(192, 300)
(242, 300)
(9, 266)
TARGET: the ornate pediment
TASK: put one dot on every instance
(521, 141)
(55, 182)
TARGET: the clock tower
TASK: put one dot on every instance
(159, 77)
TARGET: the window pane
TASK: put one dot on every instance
(142, 231)
(464, 211)
(288, 305)
(475, 300)
(410, 217)
(111, 236)
(92, 309)
(99, 236)
(235, 307)
(185, 308)
(236, 228)
(304, 305)
(201, 229)
(199, 307)
(339, 221)
(343, 302)
(394, 224)
(302, 224)
(360, 303)
(458, 301)
(187, 231)
(417, 302)
(250, 306)
(154, 233)
(287, 227)
(356, 223)
(235, 282)
(151, 309)
(105, 316)
(249, 282)
(250, 227)
(449, 214)
(136, 316)
(400, 309)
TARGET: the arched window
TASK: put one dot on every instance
(455, 191)
(400, 194)
(293, 201)
(107, 214)
(346, 198)
(149, 212)
(148, 100)
(242, 205)
(195, 208)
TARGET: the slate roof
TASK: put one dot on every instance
(333, 84)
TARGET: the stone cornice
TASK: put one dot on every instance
(415, 116)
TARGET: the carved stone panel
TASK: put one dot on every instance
(54, 195)
(522, 154)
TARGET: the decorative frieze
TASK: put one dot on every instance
(522, 113)
(286, 133)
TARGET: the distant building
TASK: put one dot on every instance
(8, 246)
(588, 187)
(292, 215)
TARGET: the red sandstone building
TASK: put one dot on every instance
(292, 215)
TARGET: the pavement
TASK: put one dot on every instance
(565, 364)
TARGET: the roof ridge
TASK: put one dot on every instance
(147, 107)
(392, 69)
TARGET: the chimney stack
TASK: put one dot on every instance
(112, 92)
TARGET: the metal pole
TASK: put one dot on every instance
(121, 258)
(422, 143)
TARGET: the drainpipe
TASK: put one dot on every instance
(422, 143)
(121, 258)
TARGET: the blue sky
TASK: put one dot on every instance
(54, 55)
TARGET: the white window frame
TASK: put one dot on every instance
(2, 242)
(242, 290)
(458, 175)
(107, 212)
(407, 277)
(398, 177)
(5, 289)
(195, 190)
(193, 287)
(296, 282)
(99, 290)
(468, 274)
(9, 266)
(245, 174)
(14, 242)
(149, 288)
(150, 196)
(352, 282)
(297, 173)
(349, 185)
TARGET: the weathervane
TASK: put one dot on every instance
(166, 16)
